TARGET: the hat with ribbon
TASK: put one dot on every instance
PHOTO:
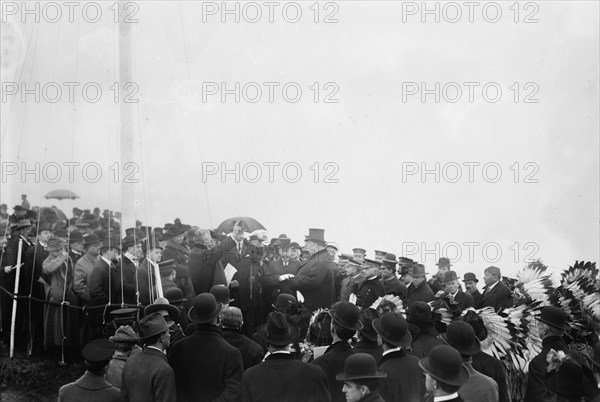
(316, 235)
(418, 270)
(162, 306)
(470, 276)
(153, 324)
(443, 262)
(449, 276)
(174, 295)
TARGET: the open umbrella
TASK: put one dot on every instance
(61, 195)
(53, 211)
(248, 224)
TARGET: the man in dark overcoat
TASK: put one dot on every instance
(419, 290)
(371, 288)
(495, 293)
(391, 283)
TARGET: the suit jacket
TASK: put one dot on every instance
(205, 266)
(100, 285)
(404, 381)
(252, 353)
(207, 368)
(419, 293)
(347, 286)
(425, 341)
(369, 347)
(478, 387)
(282, 378)
(499, 297)
(129, 281)
(536, 390)
(272, 273)
(89, 388)
(83, 270)
(146, 283)
(367, 292)
(180, 253)
(493, 368)
(332, 363)
(315, 280)
(395, 287)
(476, 296)
(147, 376)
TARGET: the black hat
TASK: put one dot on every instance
(393, 328)
(113, 242)
(76, 237)
(91, 239)
(366, 319)
(98, 350)
(153, 324)
(360, 366)
(129, 241)
(445, 364)
(173, 232)
(419, 312)
(449, 276)
(205, 308)
(461, 336)
(470, 276)
(23, 223)
(161, 304)
(284, 302)
(346, 315)
(174, 295)
(316, 235)
(102, 234)
(443, 262)
(277, 331)
(418, 270)
(405, 261)
(390, 259)
(553, 316)
(221, 294)
(284, 243)
(372, 263)
(166, 267)
(44, 225)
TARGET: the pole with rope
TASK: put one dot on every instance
(15, 298)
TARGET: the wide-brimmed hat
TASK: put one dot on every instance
(393, 328)
(221, 294)
(418, 270)
(419, 312)
(23, 223)
(449, 276)
(317, 235)
(162, 306)
(205, 308)
(125, 334)
(360, 366)
(153, 324)
(98, 350)
(461, 336)
(277, 330)
(346, 315)
(445, 364)
(570, 381)
(284, 302)
(553, 316)
(443, 262)
(55, 244)
(470, 276)
(366, 319)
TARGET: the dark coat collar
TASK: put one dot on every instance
(92, 382)
(280, 356)
(208, 329)
(553, 342)
(339, 346)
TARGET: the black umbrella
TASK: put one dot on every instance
(248, 224)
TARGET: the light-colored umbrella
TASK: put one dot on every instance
(61, 195)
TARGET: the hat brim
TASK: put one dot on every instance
(565, 327)
(203, 320)
(344, 377)
(458, 381)
(470, 280)
(390, 261)
(404, 342)
(156, 332)
(418, 275)
(470, 351)
(171, 310)
(357, 327)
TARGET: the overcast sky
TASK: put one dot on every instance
(528, 157)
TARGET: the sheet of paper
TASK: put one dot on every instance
(299, 296)
(319, 351)
(229, 272)
(352, 298)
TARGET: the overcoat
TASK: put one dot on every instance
(332, 363)
(89, 388)
(315, 280)
(499, 297)
(404, 381)
(148, 377)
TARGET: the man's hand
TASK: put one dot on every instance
(8, 269)
(234, 284)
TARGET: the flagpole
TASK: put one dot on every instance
(14, 306)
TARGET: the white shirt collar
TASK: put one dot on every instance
(445, 397)
(492, 286)
(154, 347)
(283, 352)
(398, 349)
(106, 260)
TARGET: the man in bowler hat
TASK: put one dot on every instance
(281, 377)
(361, 379)
(470, 281)
(419, 290)
(453, 296)
(444, 374)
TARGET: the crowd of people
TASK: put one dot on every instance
(180, 313)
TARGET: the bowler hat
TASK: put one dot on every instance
(174, 295)
(346, 315)
(570, 381)
(359, 250)
(91, 239)
(284, 243)
(232, 317)
(283, 302)
(221, 294)
(553, 316)
(366, 318)
(449, 276)
(419, 312)
(390, 259)
(461, 336)
(205, 308)
(393, 328)
(316, 235)
(443, 262)
(153, 324)
(98, 350)
(277, 331)
(445, 364)
(419, 270)
(360, 366)
(23, 223)
(125, 334)
(76, 237)
(162, 305)
(470, 276)
(55, 244)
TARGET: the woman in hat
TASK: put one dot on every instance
(125, 340)
(58, 273)
(361, 379)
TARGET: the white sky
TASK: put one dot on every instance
(369, 136)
